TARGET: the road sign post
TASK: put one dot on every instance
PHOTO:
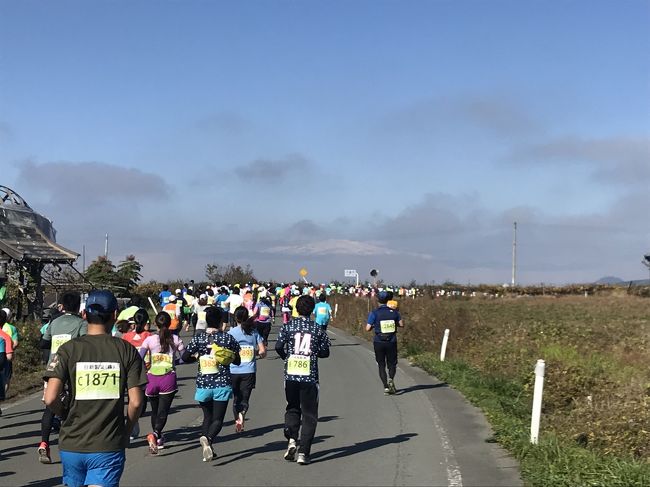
(351, 273)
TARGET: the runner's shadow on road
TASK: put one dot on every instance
(345, 345)
(421, 387)
(26, 434)
(22, 413)
(335, 453)
(274, 446)
(46, 483)
(327, 419)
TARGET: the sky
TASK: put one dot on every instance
(405, 136)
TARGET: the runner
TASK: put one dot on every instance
(285, 296)
(199, 314)
(164, 295)
(216, 351)
(8, 368)
(292, 303)
(300, 344)
(384, 321)
(174, 313)
(61, 330)
(98, 369)
(263, 316)
(323, 312)
(141, 332)
(233, 302)
(164, 349)
(243, 375)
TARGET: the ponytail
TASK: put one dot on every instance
(163, 321)
(248, 326)
(141, 318)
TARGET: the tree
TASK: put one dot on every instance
(128, 273)
(230, 273)
(101, 273)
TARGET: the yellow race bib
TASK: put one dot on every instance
(208, 364)
(247, 354)
(58, 340)
(298, 365)
(161, 363)
(97, 381)
(387, 326)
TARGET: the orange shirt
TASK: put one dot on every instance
(171, 309)
(9, 345)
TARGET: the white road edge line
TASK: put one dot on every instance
(454, 477)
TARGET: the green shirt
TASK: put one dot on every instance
(98, 369)
(63, 329)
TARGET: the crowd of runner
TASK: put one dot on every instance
(98, 356)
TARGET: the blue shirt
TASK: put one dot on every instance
(248, 345)
(323, 313)
(384, 319)
(164, 297)
(2, 345)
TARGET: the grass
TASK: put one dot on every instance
(595, 418)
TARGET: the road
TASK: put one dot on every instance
(427, 434)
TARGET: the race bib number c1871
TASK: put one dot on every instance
(97, 381)
(298, 365)
(387, 326)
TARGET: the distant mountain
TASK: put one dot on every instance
(610, 280)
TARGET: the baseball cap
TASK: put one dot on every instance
(172, 298)
(101, 301)
(382, 296)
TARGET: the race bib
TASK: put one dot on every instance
(208, 364)
(97, 380)
(58, 340)
(387, 326)
(322, 311)
(161, 363)
(298, 365)
(247, 354)
(224, 305)
(265, 312)
(201, 315)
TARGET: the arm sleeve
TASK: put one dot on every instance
(324, 348)
(371, 318)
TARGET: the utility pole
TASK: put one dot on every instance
(514, 254)
(83, 258)
(106, 247)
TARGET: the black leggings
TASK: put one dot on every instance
(264, 329)
(160, 406)
(242, 387)
(302, 413)
(213, 414)
(386, 352)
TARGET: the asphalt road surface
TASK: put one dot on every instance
(426, 434)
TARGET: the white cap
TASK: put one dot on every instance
(203, 296)
(178, 291)
(172, 298)
(7, 311)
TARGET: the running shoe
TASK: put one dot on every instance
(290, 454)
(303, 459)
(391, 387)
(153, 444)
(44, 453)
(161, 442)
(386, 391)
(208, 454)
(239, 423)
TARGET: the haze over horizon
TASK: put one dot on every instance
(402, 136)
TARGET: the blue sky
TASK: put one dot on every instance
(404, 136)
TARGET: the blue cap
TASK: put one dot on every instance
(101, 302)
(382, 295)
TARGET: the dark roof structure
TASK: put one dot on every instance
(26, 236)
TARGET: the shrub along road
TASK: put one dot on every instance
(426, 435)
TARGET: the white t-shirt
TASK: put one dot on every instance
(234, 301)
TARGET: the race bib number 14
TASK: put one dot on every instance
(97, 381)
